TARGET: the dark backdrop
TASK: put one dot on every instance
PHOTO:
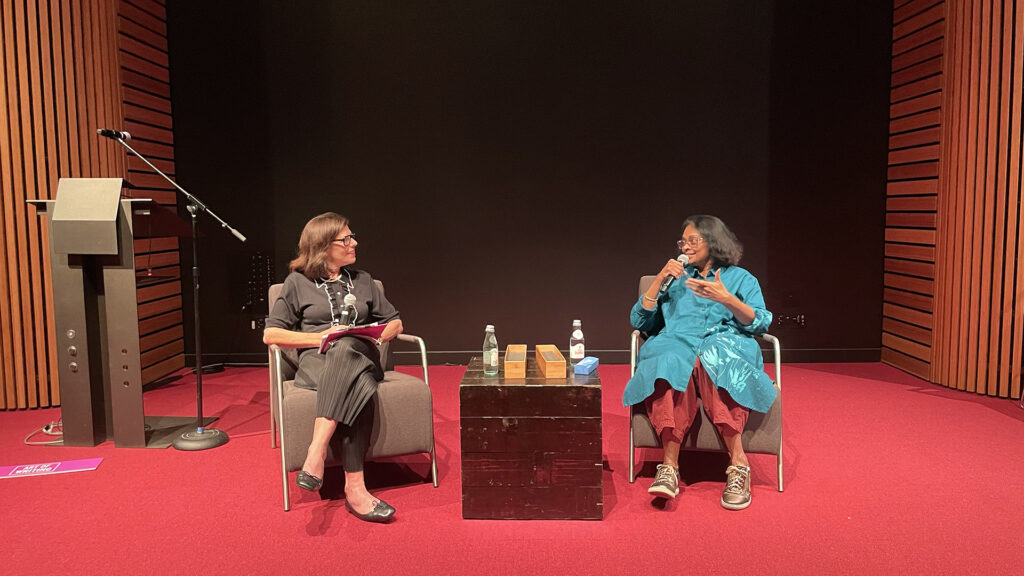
(523, 163)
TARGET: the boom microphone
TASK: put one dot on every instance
(684, 259)
(114, 134)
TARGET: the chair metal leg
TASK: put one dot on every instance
(433, 466)
(632, 448)
(280, 430)
(779, 458)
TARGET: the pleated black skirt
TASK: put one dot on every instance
(345, 378)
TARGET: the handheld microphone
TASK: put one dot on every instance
(684, 259)
(348, 312)
(114, 134)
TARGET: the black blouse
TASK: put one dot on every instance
(305, 305)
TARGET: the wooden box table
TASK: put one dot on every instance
(531, 447)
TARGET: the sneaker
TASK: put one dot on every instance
(666, 482)
(736, 495)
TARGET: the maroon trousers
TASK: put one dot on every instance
(672, 412)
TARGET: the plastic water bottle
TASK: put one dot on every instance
(490, 351)
(577, 351)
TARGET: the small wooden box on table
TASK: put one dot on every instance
(515, 361)
(531, 447)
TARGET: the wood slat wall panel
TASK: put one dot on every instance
(916, 105)
(910, 220)
(904, 10)
(150, 325)
(916, 55)
(924, 203)
(915, 128)
(137, 165)
(922, 36)
(916, 138)
(908, 347)
(919, 21)
(910, 315)
(917, 121)
(910, 252)
(146, 100)
(918, 154)
(157, 291)
(914, 187)
(164, 197)
(917, 88)
(910, 268)
(967, 213)
(57, 83)
(910, 236)
(155, 339)
(908, 331)
(909, 283)
(169, 350)
(143, 34)
(908, 299)
(1015, 221)
(916, 72)
(155, 244)
(157, 307)
(913, 171)
(145, 82)
(61, 78)
(132, 11)
(161, 369)
(909, 364)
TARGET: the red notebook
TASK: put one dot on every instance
(370, 332)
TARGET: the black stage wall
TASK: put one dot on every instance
(523, 163)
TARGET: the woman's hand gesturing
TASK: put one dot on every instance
(712, 290)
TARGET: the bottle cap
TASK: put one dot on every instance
(576, 323)
(489, 328)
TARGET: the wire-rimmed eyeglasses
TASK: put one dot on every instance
(693, 241)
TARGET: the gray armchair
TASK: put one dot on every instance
(763, 434)
(403, 424)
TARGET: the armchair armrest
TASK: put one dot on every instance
(776, 348)
(423, 352)
(634, 348)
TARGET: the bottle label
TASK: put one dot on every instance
(577, 351)
(491, 358)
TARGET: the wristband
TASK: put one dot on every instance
(649, 299)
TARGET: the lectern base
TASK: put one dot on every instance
(196, 440)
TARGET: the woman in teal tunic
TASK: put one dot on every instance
(701, 341)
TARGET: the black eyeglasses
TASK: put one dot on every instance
(692, 241)
(345, 241)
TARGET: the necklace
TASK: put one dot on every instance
(338, 312)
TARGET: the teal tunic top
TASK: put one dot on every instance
(683, 326)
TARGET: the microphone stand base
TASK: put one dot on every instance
(203, 439)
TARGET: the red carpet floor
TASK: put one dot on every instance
(884, 474)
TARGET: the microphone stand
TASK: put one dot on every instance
(203, 438)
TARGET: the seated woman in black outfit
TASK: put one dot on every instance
(346, 377)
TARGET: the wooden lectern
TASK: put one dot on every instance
(92, 260)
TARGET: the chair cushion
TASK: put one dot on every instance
(402, 421)
(763, 434)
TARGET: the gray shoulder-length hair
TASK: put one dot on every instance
(723, 247)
